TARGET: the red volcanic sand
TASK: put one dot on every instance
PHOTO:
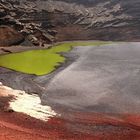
(70, 126)
(17, 126)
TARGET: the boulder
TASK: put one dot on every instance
(9, 36)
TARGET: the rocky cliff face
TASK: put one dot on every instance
(47, 21)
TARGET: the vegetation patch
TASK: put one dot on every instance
(41, 62)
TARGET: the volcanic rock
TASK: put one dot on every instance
(64, 20)
(9, 36)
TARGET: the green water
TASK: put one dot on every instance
(40, 62)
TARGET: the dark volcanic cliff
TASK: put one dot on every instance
(47, 21)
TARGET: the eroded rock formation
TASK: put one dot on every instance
(46, 21)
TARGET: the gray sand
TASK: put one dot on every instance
(103, 79)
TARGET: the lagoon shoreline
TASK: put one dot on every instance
(15, 125)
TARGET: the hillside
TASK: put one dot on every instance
(47, 21)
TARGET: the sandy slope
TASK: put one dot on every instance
(86, 126)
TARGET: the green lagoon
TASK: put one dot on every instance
(41, 62)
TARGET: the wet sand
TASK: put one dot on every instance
(103, 79)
